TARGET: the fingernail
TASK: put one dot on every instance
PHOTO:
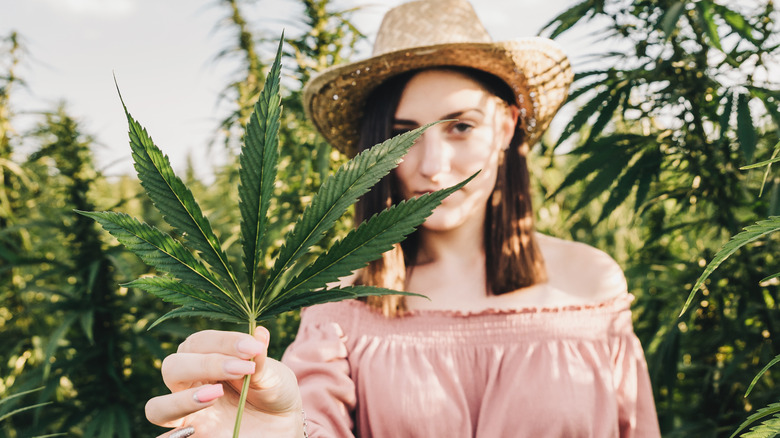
(264, 334)
(207, 394)
(240, 367)
(250, 347)
(183, 433)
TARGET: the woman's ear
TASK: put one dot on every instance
(509, 125)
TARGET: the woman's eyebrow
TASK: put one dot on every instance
(404, 122)
(450, 116)
(458, 114)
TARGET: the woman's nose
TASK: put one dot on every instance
(435, 158)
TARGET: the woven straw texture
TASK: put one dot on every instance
(438, 33)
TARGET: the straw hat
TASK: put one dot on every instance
(436, 33)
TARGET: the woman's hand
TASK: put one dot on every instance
(205, 377)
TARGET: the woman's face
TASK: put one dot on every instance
(450, 152)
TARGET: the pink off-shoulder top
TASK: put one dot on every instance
(575, 371)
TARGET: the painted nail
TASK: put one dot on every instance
(250, 347)
(183, 433)
(239, 367)
(207, 394)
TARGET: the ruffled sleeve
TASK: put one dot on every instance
(318, 357)
(636, 409)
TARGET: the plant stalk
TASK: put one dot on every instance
(244, 389)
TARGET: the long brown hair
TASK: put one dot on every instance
(512, 257)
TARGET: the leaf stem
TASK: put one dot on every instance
(244, 388)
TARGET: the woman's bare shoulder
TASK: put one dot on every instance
(581, 270)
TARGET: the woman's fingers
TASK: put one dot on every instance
(170, 410)
(225, 357)
(241, 345)
(212, 356)
(183, 370)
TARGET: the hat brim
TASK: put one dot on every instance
(536, 69)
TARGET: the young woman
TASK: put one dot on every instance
(523, 335)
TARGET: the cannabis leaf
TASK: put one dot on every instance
(7, 410)
(195, 272)
(748, 235)
(768, 428)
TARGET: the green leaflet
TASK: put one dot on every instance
(746, 133)
(26, 408)
(159, 250)
(176, 203)
(567, 19)
(606, 175)
(772, 160)
(671, 17)
(769, 428)
(749, 234)
(725, 115)
(604, 151)
(774, 424)
(619, 89)
(768, 163)
(584, 113)
(257, 171)
(176, 292)
(761, 373)
(737, 21)
(199, 311)
(707, 22)
(7, 408)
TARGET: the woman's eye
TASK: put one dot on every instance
(398, 131)
(461, 128)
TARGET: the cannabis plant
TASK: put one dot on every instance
(7, 408)
(195, 272)
(770, 426)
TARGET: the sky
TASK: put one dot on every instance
(163, 54)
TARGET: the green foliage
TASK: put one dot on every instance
(666, 81)
(770, 427)
(67, 327)
(660, 132)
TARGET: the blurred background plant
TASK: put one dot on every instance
(652, 158)
(647, 168)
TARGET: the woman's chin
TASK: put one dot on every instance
(441, 221)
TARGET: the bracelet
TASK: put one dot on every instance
(305, 424)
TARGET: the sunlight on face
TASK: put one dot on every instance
(452, 151)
